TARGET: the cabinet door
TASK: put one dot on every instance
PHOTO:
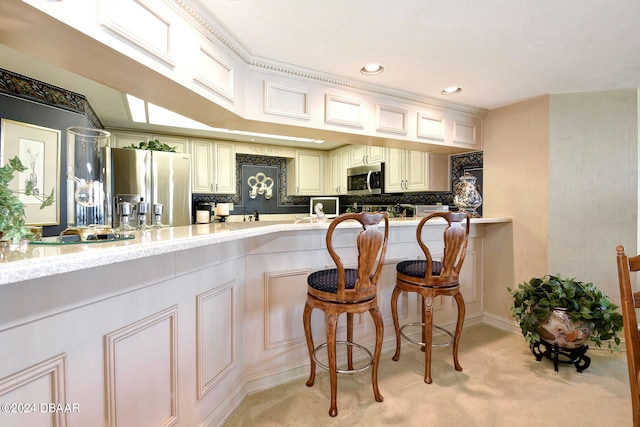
(225, 171)
(180, 144)
(309, 173)
(375, 154)
(416, 171)
(338, 165)
(201, 167)
(394, 171)
(358, 154)
(126, 139)
(344, 158)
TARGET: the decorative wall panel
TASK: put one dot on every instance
(215, 73)
(140, 23)
(344, 111)
(286, 101)
(390, 119)
(141, 372)
(282, 325)
(39, 384)
(464, 133)
(215, 329)
(430, 127)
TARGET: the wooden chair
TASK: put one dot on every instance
(348, 290)
(630, 301)
(430, 279)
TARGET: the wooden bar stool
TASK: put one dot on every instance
(348, 290)
(630, 302)
(430, 279)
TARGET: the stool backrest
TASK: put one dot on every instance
(456, 237)
(630, 300)
(372, 248)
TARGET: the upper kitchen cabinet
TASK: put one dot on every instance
(181, 145)
(129, 139)
(306, 173)
(338, 165)
(365, 154)
(213, 167)
(413, 171)
(406, 171)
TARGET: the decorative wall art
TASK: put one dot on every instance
(38, 148)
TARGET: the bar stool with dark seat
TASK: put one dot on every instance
(348, 290)
(430, 279)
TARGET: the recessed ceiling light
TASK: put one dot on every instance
(372, 69)
(451, 90)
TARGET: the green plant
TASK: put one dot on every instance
(12, 215)
(534, 300)
(153, 145)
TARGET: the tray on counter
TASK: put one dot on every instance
(56, 240)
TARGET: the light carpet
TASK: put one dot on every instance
(501, 384)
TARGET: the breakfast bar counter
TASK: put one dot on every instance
(45, 260)
(177, 325)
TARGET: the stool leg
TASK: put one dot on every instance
(458, 333)
(396, 325)
(306, 320)
(377, 319)
(331, 321)
(349, 339)
(427, 335)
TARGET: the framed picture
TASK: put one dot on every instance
(38, 148)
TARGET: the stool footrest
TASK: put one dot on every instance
(411, 340)
(345, 371)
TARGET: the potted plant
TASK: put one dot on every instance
(12, 217)
(567, 310)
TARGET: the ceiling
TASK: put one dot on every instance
(498, 51)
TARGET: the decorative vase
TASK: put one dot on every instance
(560, 329)
(466, 195)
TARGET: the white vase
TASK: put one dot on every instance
(466, 195)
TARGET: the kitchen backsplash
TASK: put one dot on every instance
(248, 166)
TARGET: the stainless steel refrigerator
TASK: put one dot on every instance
(153, 177)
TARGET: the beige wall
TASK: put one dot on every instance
(565, 169)
(516, 152)
(593, 196)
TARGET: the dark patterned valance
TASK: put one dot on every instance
(25, 87)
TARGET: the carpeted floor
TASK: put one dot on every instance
(501, 385)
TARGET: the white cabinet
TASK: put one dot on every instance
(406, 171)
(127, 139)
(180, 144)
(213, 167)
(338, 165)
(366, 154)
(306, 173)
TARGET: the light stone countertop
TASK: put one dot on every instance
(39, 261)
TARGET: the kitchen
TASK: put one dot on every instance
(524, 149)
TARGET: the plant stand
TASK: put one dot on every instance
(558, 354)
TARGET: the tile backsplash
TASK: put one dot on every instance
(248, 165)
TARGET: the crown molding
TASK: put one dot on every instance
(215, 32)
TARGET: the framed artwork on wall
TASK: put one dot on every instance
(38, 148)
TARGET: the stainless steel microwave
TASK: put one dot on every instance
(364, 180)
